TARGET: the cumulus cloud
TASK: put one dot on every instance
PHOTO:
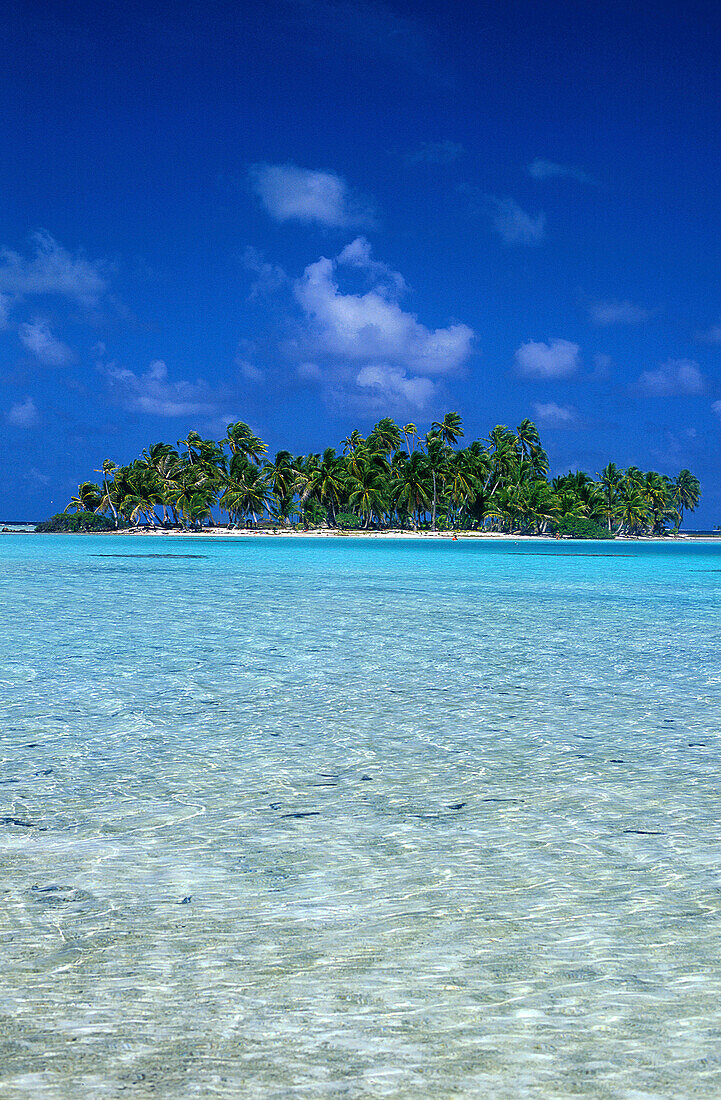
(38, 338)
(717, 408)
(366, 343)
(551, 415)
(388, 383)
(5, 304)
(51, 269)
(372, 327)
(23, 414)
(435, 152)
(514, 225)
(289, 193)
(541, 169)
(556, 359)
(617, 313)
(358, 255)
(675, 376)
(155, 394)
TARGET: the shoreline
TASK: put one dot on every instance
(222, 532)
(395, 534)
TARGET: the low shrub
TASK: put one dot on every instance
(581, 527)
(76, 521)
(347, 521)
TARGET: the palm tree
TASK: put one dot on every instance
(241, 440)
(633, 512)
(437, 452)
(410, 433)
(502, 482)
(106, 500)
(412, 493)
(449, 428)
(88, 498)
(191, 446)
(686, 492)
(369, 490)
(247, 489)
(355, 439)
(658, 495)
(282, 475)
(611, 480)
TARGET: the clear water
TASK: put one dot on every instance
(508, 882)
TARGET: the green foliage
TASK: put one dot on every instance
(78, 521)
(347, 521)
(582, 527)
(314, 514)
(391, 477)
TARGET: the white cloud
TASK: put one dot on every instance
(393, 386)
(551, 415)
(514, 225)
(358, 255)
(675, 376)
(617, 313)
(556, 359)
(51, 270)
(5, 305)
(541, 169)
(364, 344)
(37, 337)
(372, 327)
(153, 393)
(717, 408)
(435, 152)
(23, 414)
(290, 193)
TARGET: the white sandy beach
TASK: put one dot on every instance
(325, 533)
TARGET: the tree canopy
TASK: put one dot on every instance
(396, 477)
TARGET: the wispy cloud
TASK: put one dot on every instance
(675, 376)
(289, 193)
(368, 28)
(711, 335)
(614, 312)
(541, 169)
(435, 152)
(269, 278)
(556, 359)
(514, 225)
(51, 269)
(155, 394)
(23, 414)
(38, 338)
(551, 415)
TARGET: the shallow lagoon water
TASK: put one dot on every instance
(345, 818)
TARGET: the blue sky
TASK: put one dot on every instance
(307, 213)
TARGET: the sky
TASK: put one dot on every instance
(307, 214)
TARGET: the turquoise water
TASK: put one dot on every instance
(346, 818)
